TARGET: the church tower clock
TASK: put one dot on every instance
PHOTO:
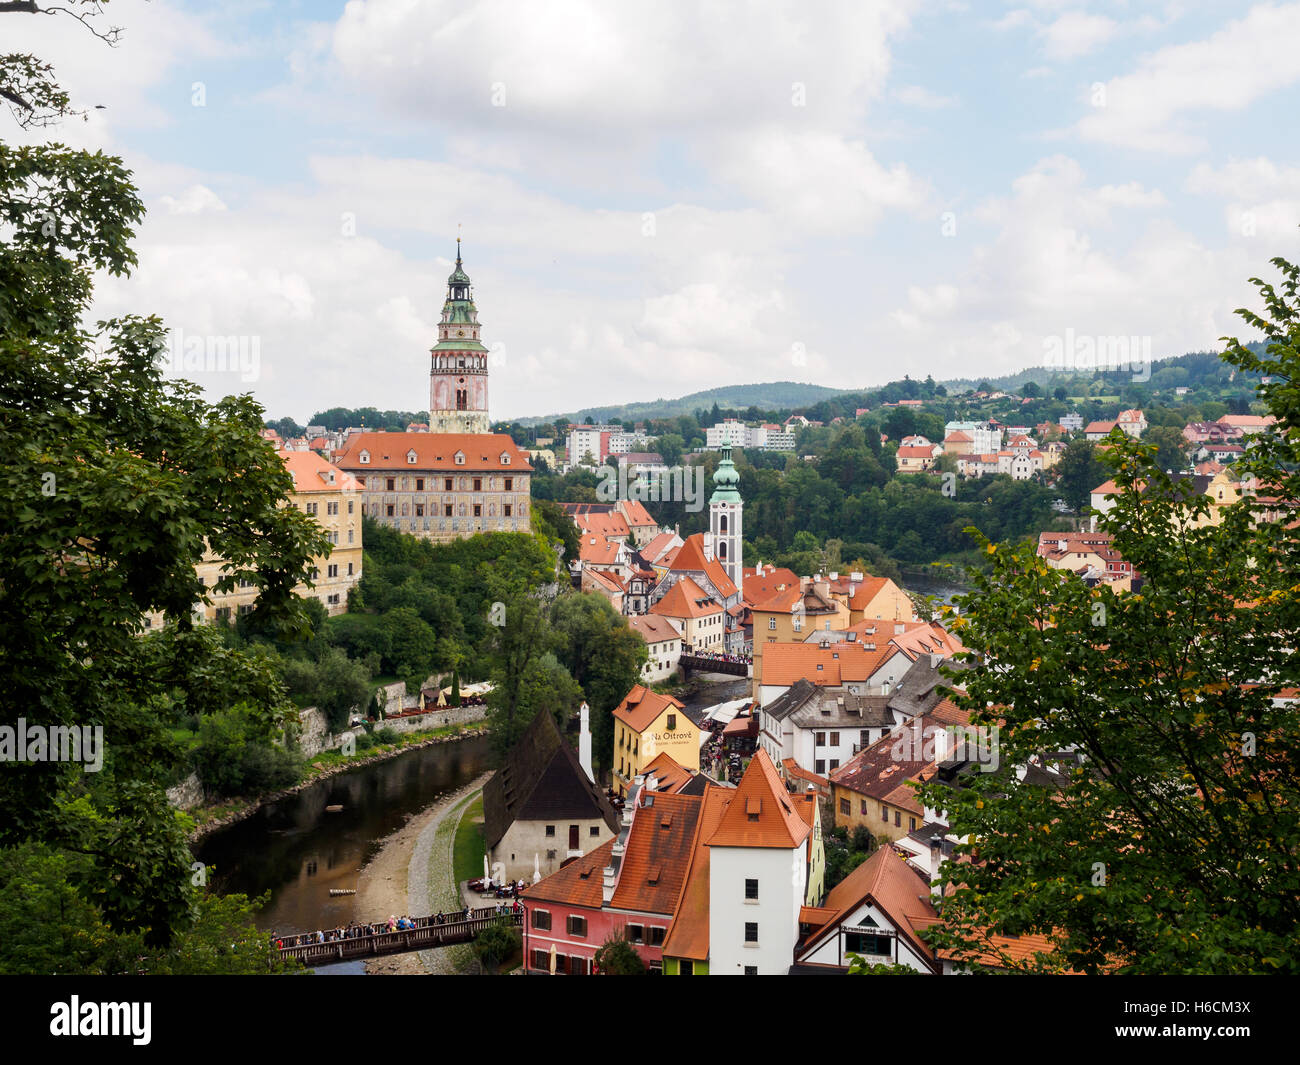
(458, 379)
(726, 510)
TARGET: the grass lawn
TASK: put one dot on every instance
(467, 852)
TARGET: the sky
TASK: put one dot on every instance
(658, 198)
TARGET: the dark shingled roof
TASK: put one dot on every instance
(919, 691)
(835, 708)
(541, 780)
(791, 699)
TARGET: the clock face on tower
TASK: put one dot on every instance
(460, 332)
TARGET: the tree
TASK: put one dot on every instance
(495, 944)
(617, 957)
(1171, 446)
(1160, 834)
(116, 483)
(1078, 473)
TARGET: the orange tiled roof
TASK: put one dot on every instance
(637, 515)
(837, 663)
(686, 599)
(657, 547)
(579, 883)
(894, 886)
(657, 855)
(310, 473)
(609, 525)
(433, 451)
(653, 629)
(761, 813)
(690, 557)
(688, 935)
(762, 586)
(672, 776)
(596, 549)
(641, 706)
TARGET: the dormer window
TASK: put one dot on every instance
(505, 459)
(460, 458)
(365, 458)
(410, 456)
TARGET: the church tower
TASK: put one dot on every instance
(725, 510)
(458, 379)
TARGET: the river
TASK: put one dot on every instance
(297, 851)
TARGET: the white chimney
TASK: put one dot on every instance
(584, 741)
(708, 547)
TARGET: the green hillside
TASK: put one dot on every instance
(775, 395)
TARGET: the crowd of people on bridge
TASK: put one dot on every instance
(357, 930)
(721, 656)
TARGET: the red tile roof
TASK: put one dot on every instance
(433, 451)
(311, 473)
(657, 854)
(690, 557)
(653, 629)
(686, 599)
(761, 813)
(641, 706)
(637, 515)
(688, 936)
(840, 663)
(579, 883)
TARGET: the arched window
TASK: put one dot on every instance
(722, 550)
(722, 524)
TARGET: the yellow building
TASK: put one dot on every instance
(333, 498)
(870, 599)
(789, 615)
(647, 724)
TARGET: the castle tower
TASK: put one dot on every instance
(458, 378)
(725, 511)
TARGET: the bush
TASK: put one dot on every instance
(616, 957)
(495, 944)
(236, 757)
(386, 734)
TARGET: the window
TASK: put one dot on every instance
(419, 510)
(863, 809)
(835, 739)
(350, 502)
(390, 484)
(550, 831)
(542, 920)
(898, 819)
(672, 722)
(884, 813)
(771, 623)
(311, 508)
(868, 943)
(446, 510)
(657, 934)
(541, 959)
(365, 458)
(846, 807)
(819, 767)
(751, 970)
(446, 484)
(478, 484)
(419, 484)
(510, 484)
(911, 824)
(595, 830)
(460, 458)
(835, 764)
(636, 934)
(751, 889)
(478, 510)
(685, 968)
(751, 931)
(820, 739)
(577, 965)
(333, 570)
(576, 926)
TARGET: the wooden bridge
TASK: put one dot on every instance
(705, 664)
(426, 936)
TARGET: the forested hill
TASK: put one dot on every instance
(774, 395)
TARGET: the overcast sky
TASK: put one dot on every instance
(661, 197)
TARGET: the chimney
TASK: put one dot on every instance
(936, 857)
(936, 660)
(611, 871)
(708, 547)
(584, 741)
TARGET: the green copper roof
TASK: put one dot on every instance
(726, 479)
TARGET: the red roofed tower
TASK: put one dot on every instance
(458, 378)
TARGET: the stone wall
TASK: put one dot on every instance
(447, 715)
(316, 737)
(187, 794)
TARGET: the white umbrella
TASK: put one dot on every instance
(487, 875)
(537, 868)
(552, 959)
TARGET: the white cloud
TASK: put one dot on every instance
(1154, 107)
(1261, 197)
(919, 96)
(1075, 34)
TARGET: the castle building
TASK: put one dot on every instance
(458, 375)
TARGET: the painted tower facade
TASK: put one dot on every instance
(726, 509)
(458, 379)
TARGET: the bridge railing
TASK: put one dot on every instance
(423, 937)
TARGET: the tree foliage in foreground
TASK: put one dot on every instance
(1174, 846)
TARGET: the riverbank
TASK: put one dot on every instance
(220, 815)
(413, 874)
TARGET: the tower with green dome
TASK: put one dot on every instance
(458, 378)
(725, 517)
